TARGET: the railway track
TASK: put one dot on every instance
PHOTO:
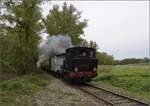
(111, 98)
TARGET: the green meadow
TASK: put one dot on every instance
(132, 80)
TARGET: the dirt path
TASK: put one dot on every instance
(59, 94)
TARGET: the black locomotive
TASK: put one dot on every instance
(77, 64)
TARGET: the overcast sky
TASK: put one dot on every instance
(120, 28)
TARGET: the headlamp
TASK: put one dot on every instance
(94, 69)
(76, 69)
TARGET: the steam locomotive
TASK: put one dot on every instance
(78, 64)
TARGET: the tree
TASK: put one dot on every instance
(65, 21)
(21, 23)
(84, 43)
(105, 59)
(93, 45)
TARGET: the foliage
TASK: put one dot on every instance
(132, 61)
(65, 21)
(21, 25)
(104, 58)
(130, 78)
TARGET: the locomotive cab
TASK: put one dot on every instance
(80, 63)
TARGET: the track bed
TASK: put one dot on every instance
(111, 98)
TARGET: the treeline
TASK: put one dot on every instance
(132, 61)
(106, 59)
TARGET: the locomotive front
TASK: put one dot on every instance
(80, 63)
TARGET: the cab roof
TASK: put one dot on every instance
(80, 48)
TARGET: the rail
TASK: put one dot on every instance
(111, 98)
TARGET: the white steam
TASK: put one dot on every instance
(52, 46)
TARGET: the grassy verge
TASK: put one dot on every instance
(11, 90)
(132, 79)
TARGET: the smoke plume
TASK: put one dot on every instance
(52, 46)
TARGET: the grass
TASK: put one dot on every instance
(11, 90)
(133, 79)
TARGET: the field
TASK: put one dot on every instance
(133, 80)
